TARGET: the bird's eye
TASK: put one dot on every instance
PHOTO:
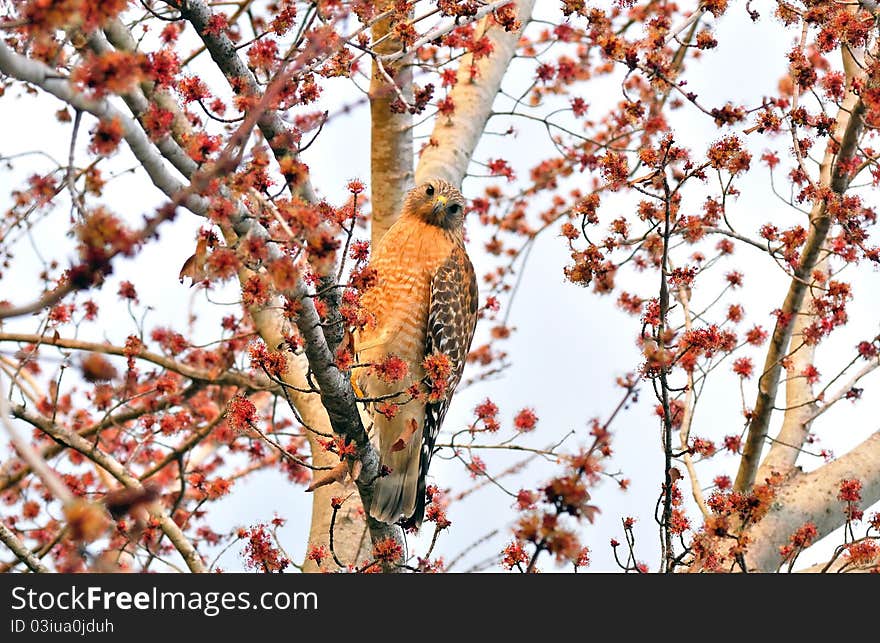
(454, 208)
(429, 190)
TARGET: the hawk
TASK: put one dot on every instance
(424, 303)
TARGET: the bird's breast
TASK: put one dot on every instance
(405, 261)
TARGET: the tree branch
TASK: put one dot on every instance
(13, 470)
(847, 129)
(8, 538)
(192, 558)
(828, 402)
(799, 395)
(225, 54)
(51, 480)
(226, 378)
(350, 522)
(441, 30)
(455, 138)
(812, 497)
(311, 330)
(47, 79)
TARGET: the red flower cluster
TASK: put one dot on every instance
(261, 554)
(114, 72)
(106, 137)
(487, 413)
(391, 369)
(273, 362)
(743, 367)
(241, 413)
(850, 492)
(318, 554)
(525, 420)
(387, 551)
(514, 555)
(799, 540)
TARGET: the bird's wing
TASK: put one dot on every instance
(452, 319)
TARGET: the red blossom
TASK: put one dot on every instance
(733, 443)
(514, 555)
(437, 515)
(318, 554)
(850, 490)
(583, 559)
(476, 466)
(157, 121)
(111, 72)
(387, 551)
(127, 291)
(193, 89)
(263, 54)
(735, 279)
(106, 137)
(241, 413)
(260, 553)
(679, 522)
(166, 384)
(360, 252)
(201, 145)
(772, 161)
(60, 313)
(273, 362)
(526, 499)
(867, 350)
(799, 540)
(743, 367)
(486, 409)
(446, 106)
(162, 67)
(703, 447)
(391, 369)
(500, 167)
(387, 409)
(810, 373)
(863, 552)
(525, 420)
(756, 336)
(217, 25)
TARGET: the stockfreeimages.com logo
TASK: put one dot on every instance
(208, 603)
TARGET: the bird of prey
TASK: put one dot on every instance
(424, 305)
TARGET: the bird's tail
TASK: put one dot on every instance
(400, 494)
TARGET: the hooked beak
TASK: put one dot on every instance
(439, 205)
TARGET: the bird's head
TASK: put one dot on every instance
(436, 202)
